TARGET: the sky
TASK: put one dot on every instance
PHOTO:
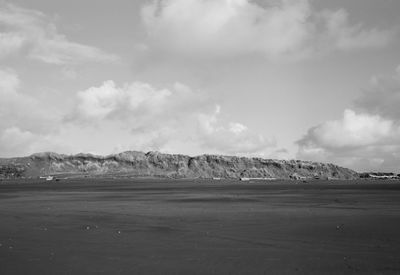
(289, 79)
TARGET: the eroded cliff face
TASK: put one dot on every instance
(154, 164)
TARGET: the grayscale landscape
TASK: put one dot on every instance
(199, 137)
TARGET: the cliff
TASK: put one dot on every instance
(154, 164)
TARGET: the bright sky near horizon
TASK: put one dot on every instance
(313, 80)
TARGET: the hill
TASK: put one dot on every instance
(155, 164)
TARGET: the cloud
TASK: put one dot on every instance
(26, 125)
(139, 103)
(172, 120)
(353, 130)
(109, 118)
(340, 34)
(223, 28)
(69, 73)
(22, 110)
(14, 142)
(32, 33)
(9, 82)
(10, 43)
(365, 138)
(230, 138)
(382, 97)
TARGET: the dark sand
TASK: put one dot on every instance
(199, 227)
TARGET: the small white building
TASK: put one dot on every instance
(47, 178)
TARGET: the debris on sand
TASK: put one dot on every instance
(339, 227)
(90, 227)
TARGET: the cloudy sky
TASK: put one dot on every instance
(307, 79)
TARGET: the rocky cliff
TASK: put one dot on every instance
(155, 164)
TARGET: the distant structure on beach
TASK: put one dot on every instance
(379, 175)
(296, 176)
(48, 178)
(248, 179)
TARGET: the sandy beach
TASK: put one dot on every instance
(95, 226)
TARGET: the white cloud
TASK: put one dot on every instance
(32, 33)
(353, 130)
(10, 43)
(286, 28)
(237, 128)
(230, 138)
(17, 142)
(137, 102)
(9, 83)
(134, 116)
(14, 142)
(173, 120)
(21, 110)
(26, 125)
(365, 139)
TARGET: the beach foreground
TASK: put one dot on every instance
(101, 226)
